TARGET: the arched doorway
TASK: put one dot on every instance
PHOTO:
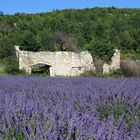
(40, 69)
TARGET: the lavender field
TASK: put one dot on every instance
(37, 108)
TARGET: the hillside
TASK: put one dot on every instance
(85, 29)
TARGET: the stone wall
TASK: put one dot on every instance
(114, 63)
(63, 63)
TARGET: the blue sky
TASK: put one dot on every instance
(37, 6)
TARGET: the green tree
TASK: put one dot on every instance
(28, 42)
(102, 49)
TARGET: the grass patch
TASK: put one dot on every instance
(117, 73)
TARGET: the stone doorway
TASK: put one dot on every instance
(40, 69)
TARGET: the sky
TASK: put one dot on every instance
(38, 6)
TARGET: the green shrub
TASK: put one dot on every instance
(12, 67)
(102, 49)
(131, 54)
(14, 70)
(117, 73)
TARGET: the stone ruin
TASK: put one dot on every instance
(63, 63)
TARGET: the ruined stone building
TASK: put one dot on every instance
(63, 63)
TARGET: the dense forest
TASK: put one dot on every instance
(98, 30)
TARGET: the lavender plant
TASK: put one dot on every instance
(37, 108)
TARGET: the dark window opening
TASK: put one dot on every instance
(79, 68)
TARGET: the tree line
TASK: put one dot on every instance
(98, 30)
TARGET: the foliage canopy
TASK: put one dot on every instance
(98, 30)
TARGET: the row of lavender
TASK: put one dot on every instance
(69, 109)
